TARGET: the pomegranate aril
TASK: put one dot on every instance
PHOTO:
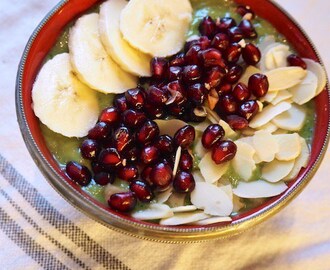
(78, 173)
(248, 109)
(149, 154)
(120, 102)
(145, 174)
(191, 57)
(157, 96)
(185, 136)
(122, 202)
(211, 57)
(220, 42)
(251, 54)
(247, 29)
(109, 157)
(184, 182)
(237, 122)
(122, 138)
(154, 112)
(128, 172)
(207, 27)
(234, 73)
(142, 190)
(148, 132)
(233, 53)
(100, 131)
(97, 167)
(227, 104)
(110, 115)
(164, 143)
(104, 178)
(89, 149)
(295, 60)
(161, 175)
(258, 84)
(211, 135)
(204, 42)
(135, 98)
(178, 60)
(131, 154)
(243, 10)
(224, 151)
(174, 73)
(133, 119)
(224, 88)
(196, 93)
(223, 24)
(191, 74)
(241, 92)
(158, 66)
(213, 77)
(176, 110)
(235, 34)
(186, 162)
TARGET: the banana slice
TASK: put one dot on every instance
(127, 57)
(61, 101)
(156, 27)
(90, 60)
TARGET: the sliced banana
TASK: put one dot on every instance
(127, 57)
(292, 119)
(319, 71)
(211, 171)
(90, 60)
(259, 189)
(289, 146)
(306, 90)
(164, 196)
(276, 170)
(61, 101)
(156, 27)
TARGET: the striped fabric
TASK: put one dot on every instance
(40, 230)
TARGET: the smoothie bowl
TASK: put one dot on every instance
(173, 120)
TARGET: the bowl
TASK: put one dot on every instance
(37, 48)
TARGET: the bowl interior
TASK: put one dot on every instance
(43, 40)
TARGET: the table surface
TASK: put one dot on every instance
(40, 230)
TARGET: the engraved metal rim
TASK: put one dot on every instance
(143, 231)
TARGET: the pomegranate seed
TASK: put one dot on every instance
(135, 98)
(211, 57)
(109, 157)
(157, 96)
(142, 190)
(89, 149)
(233, 52)
(203, 42)
(161, 175)
(178, 60)
(251, 54)
(104, 178)
(133, 119)
(145, 174)
(110, 115)
(241, 92)
(154, 112)
(258, 84)
(120, 102)
(122, 138)
(227, 104)
(207, 27)
(176, 110)
(128, 173)
(225, 23)
(164, 143)
(122, 202)
(148, 132)
(191, 74)
(224, 88)
(158, 66)
(211, 135)
(220, 42)
(223, 151)
(97, 167)
(174, 73)
(191, 57)
(243, 10)
(100, 131)
(235, 34)
(295, 60)
(78, 173)
(132, 154)
(185, 136)
(247, 29)
(237, 122)
(149, 154)
(213, 77)
(186, 162)
(248, 109)
(234, 74)
(184, 182)
(196, 93)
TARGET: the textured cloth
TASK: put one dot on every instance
(40, 230)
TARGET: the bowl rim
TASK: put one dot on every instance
(145, 230)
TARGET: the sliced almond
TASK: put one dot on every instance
(306, 90)
(270, 127)
(212, 220)
(211, 171)
(269, 97)
(110, 189)
(199, 149)
(212, 99)
(292, 119)
(213, 117)
(183, 218)
(198, 176)
(212, 199)
(238, 205)
(243, 162)
(169, 127)
(248, 131)
(249, 71)
(268, 113)
(162, 197)
(274, 56)
(319, 71)
(229, 132)
(227, 189)
(266, 145)
(177, 160)
(259, 189)
(184, 208)
(153, 211)
(289, 146)
(285, 77)
(176, 199)
(281, 96)
(265, 42)
(202, 126)
(276, 170)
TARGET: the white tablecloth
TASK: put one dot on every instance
(40, 230)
